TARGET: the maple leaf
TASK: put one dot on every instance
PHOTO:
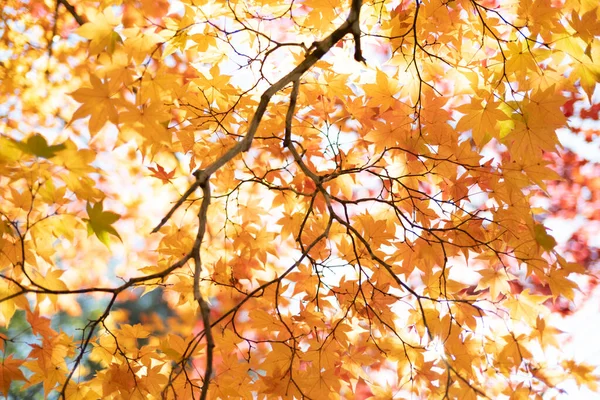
(38, 146)
(215, 87)
(587, 25)
(589, 72)
(101, 31)
(540, 12)
(547, 334)
(7, 307)
(542, 109)
(263, 320)
(304, 280)
(173, 346)
(52, 280)
(98, 103)
(542, 237)
(560, 285)
(100, 222)
(584, 374)
(386, 134)
(81, 391)
(521, 173)
(289, 224)
(140, 44)
(150, 121)
(519, 58)
(376, 231)
(137, 331)
(175, 32)
(48, 362)
(482, 119)
(528, 142)
(40, 325)
(10, 372)
(496, 279)
(526, 306)
(160, 173)
(382, 92)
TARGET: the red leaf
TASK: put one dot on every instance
(161, 174)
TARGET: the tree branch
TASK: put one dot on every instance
(80, 20)
(316, 52)
(351, 25)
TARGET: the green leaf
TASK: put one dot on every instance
(100, 222)
(541, 236)
(38, 146)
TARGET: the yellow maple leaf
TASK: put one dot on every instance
(494, 279)
(215, 87)
(137, 331)
(116, 67)
(527, 307)
(513, 352)
(149, 121)
(159, 88)
(536, 14)
(559, 284)
(528, 142)
(547, 334)
(139, 44)
(588, 74)
(98, 103)
(382, 93)
(481, 118)
(263, 320)
(543, 109)
(584, 374)
(101, 31)
(7, 307)
(519, 59)
(522, 173)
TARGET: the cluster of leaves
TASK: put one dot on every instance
(333, 197)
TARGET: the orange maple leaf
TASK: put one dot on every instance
(9, 372)
(40, 325)
(160, 173)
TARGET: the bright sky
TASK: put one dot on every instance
(584, 345)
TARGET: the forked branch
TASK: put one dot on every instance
(315, 53)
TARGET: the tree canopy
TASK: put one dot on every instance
(314, 199)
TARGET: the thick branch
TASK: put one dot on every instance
(210, 345)
(204, 308)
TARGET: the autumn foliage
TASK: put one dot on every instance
(314, 199)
